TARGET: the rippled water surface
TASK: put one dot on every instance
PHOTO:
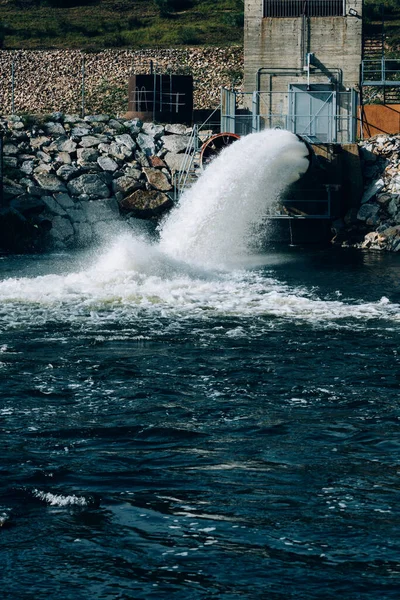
(173, 432)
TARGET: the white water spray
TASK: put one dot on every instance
(213, 223)
(135, 281)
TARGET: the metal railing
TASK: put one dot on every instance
(332, 120)
(308, 207)
(380, 72)
(187, 172)
(145, 101)
(181, 177)
(308, 8)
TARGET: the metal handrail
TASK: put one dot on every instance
(180, 178)
(379, 71)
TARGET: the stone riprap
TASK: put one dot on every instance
(378, 217)
(67, 180)
(51, 80)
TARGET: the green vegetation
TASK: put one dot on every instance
(98, 24)
(386, 12)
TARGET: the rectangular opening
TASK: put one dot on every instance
(307, 8)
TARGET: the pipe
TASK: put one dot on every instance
(287, 71)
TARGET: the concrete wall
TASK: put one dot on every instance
(277, 43)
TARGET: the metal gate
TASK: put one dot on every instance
(312, 112)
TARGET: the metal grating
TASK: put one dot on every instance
(307, 8)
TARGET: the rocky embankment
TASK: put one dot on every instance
(378, 218)
(67, 180)
(48, 80)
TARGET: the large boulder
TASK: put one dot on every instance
(145, 204)
(101, 210)
(175, 143)
(49, 182)
(90, 184)
(157, 179)
(368, 211)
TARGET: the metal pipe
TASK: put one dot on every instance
(286, 71)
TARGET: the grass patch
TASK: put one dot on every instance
(50, 24)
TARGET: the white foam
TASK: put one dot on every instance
(135, 282)
(99, 296)
(59, 500)
(213, 223)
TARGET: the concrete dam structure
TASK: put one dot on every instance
(302, 74)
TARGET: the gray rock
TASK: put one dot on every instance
(396, 183)
(155, 131)
(175, 143)
(64, 200)
(73, 119)
(86, 156)
(125, 140)
(67, 172)
(50, 182)
(62, 229)
(66, 145)
(53, 206)
(10, 149)
(35, 190)
(174, 161)
(90, 184)
(157, 179)
(42, 169)
(89, 141)
(17, 125)
(27, 167)
(367, 211)
(384, 198)
(101, 210)
(38, 142)
(125, 185)
(115, 125)
(53, 128)
(145, 204)
(142, 159)
(133, 172)
(118, 151)
(76, 214)
(146, 144)
(43, 156)
(107, 163)
(134, 126)
(79, 131)
(176, 128)
(97, 118)
(372, 190)
(392, 207)
(11, 161)
(64, 157)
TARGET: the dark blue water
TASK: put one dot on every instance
(170, 434)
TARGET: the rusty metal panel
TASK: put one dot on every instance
(378, 118)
